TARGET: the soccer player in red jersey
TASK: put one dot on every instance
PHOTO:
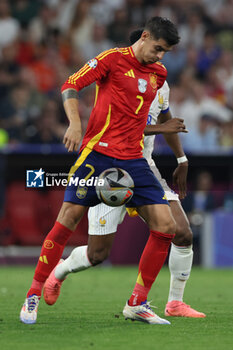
(127, 80)
(104, 220)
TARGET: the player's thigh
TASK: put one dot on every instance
(104, 220)
(158, 217)
(70, 214)
(183, 230)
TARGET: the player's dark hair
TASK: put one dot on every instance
(135, 36)
(162, 28)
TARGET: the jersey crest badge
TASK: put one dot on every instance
(153, 80)
(93, 63)
(142, 85)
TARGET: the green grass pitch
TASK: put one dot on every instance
(88, 314)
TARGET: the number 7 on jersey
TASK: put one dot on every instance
(140, 104)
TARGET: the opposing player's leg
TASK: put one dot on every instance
(81, 258)
(51, 252)
(180, 264)
(103, 221)
(181, 255)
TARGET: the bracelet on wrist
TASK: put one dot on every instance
(182, 159)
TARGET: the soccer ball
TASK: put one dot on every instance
(116, 187)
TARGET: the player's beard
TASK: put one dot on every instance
(151, 61)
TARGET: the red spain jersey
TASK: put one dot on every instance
(125, 89)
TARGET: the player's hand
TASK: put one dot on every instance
(72, 138)
(180, 179)
(174, 125)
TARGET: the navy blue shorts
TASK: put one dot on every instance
(147, 189)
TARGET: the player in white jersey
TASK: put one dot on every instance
(104, 220)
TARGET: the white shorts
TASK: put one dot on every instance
(103, 220)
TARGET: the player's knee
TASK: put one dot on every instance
(168, 226)
(70, 216)
(96, 257)
(184, 236)
(165, 225)
(171, 226)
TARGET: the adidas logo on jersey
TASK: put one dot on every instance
(130, 73)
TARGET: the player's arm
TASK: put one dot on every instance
(94, 70)
(76, 82)
(171, 126)
(73, 134)
(173, 140)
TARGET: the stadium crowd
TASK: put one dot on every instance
(43, 42)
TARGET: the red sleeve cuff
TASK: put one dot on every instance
(68, 86)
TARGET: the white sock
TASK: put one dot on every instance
(180, 264)
(77, 261)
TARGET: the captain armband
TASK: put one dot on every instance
(69, 93)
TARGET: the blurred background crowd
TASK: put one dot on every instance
(42, 42)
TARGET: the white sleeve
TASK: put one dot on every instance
(164, 93)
